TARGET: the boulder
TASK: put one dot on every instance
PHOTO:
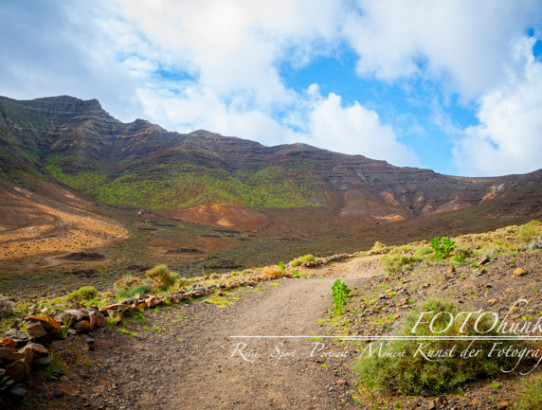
(37, 332)
(40, 354)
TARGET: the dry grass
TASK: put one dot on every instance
(272, 272)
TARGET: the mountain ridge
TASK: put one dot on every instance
(76, 143)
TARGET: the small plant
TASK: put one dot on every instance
(442, 247)
(83, 294)
(395, 263)
(282, 267)
(272, 271)
(141, 289)
(161, 277)
(214, 276)
(340, 293)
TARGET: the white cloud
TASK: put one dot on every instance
(508, 139)
(466, 42)
(58, 48)
(353, 129)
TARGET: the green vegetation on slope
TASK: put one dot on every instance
(188, 185)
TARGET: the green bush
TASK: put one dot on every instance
(84, 293)
(442, 247)
(395, 263)
(340, 293)
(161, 277)
(301, 260)
(400, 370)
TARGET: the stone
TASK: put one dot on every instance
(45, 319)
(9, 355)
(503, 405)
(483, 261)
(491, 302)
(37, 332)
(16, 370)
(18, 392)
(82, 327)
(519, 272)
(40, 354)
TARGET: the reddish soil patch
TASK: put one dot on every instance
(227, 216)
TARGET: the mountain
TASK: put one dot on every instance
(77, 144)
(71, 153)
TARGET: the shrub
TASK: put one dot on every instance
(214, 276)
(84, 293)
(161, 277)
(463, 253)
(128, 282)
(529, 231)
(423, 253)
(399, 369)
(272, 271)
(531, 395)
(378, 248)
(6, 307)
(395, 263)
(301, 260)
(139, 289)
(442, 247)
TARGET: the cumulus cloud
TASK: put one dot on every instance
(507, 140)
(353, 129)
(463, 42)
(58, 48)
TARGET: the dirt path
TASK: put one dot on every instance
(186, 358)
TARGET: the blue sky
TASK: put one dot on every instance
(455, 86)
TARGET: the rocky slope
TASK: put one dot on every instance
(76, 143)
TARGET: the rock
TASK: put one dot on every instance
(520, 272)
(484, 260)
(96, 319)
(477, 272)
(18, 392)
(82, 327)
(38, 333)
(450, 272)
(16, 370)
(431, 405)
(491, 302)
(9, 355)
(46, 320)
(341, 382)
(40, 354)
(503, 405)
(66, 318)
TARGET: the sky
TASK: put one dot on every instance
(451, 85)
